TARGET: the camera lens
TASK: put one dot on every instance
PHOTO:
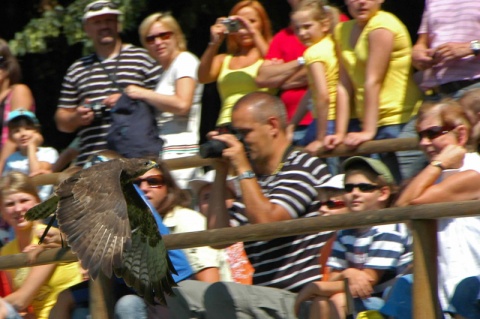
(212, 149)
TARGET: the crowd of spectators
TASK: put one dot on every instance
(327, 79)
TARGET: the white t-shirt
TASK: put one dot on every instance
(180, 130)
(19, 163)
(184, 220)
(458, 248)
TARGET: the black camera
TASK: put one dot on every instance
(232, 25)
(97, 108)
(214, 148)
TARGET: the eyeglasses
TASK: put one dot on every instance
(363, 187)
(150, 39)
(154, 181)
(333, 204)
(434, 132)
(97, 6)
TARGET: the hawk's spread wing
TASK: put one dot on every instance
(146, 266)
(92, 212)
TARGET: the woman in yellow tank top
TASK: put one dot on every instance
(248, 34)
(36, 286)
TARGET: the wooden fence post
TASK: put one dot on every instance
(425, 285)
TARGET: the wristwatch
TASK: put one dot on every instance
(246, 175)
(437, 164)
(475, 46)
(301, 61)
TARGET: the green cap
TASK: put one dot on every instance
(376, 165)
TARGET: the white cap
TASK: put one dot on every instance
(197, 184)
(100, 7)
(336, 181)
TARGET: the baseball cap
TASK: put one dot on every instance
(334, 182)
(198, 183)
(22, 112)
(100, 7)
(376, 165)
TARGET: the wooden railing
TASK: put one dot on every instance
(422, 219)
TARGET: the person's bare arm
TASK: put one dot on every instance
(319, 89)
(210, 274)
(457, 187)
(211, 62)
(70, 119)
(21, 298)
(379, 55)
(361, 281)
(342, 109)
(421, 53)
(180, 103)
(284, 75)
(258, 208)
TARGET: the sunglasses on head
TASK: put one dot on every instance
(100, 5)
(333, 204)
(154, 181)
(434, 132)
(150, 39)
(363, 187)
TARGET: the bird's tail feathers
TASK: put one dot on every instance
(44, 209)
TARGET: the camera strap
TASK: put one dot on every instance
(111, 76)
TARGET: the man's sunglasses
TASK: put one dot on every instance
(363, 187)
(333, 204)
(154, 181)
(150, 39)
(434, 132)
(100, 5)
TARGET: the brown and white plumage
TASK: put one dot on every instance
(110, 227)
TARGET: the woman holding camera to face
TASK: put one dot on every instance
(248, 33)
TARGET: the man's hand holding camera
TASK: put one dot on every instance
(235, 151)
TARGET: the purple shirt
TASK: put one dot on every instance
(451, 21)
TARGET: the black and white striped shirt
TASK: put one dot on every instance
(86, 78)
(289, 262)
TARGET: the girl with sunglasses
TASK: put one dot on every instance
(369, 257)
(177, 96)
(453, 174)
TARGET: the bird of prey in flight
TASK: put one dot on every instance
(110, 227)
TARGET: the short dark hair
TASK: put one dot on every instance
(22, 121)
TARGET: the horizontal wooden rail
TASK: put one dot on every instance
(380, 146)
(268, 231)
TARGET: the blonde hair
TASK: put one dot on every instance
(320, 12)
(169, 21)
(266, 31)
(16, 182)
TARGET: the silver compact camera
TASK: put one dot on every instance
(232, 25)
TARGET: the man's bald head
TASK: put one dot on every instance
(264, 106)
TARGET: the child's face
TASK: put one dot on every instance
(22, 135)
(358, 201)
(308, 30)
(14, 208)
(332, 203)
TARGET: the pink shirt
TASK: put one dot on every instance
(286, 46)
(451, 21)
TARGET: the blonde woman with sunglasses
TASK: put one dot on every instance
(177, 96)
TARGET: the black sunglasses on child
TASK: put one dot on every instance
(363, 187)
(333, 204)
